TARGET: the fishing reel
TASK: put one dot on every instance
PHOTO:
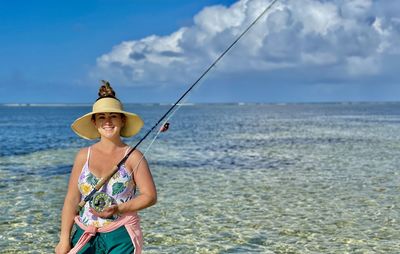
(100, 201)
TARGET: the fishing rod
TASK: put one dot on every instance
(115, 169)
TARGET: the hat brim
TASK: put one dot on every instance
(84, 127)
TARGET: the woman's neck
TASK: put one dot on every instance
(109, 145)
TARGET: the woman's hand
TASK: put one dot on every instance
(63, 247)
(106, 213)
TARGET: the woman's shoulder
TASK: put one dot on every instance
(80, 160)
(134, 157)
(136, 154)
(81, 155)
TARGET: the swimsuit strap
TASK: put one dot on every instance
(127, 150)
(88, 155)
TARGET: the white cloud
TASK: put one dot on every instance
(355, 8)
(353, 37)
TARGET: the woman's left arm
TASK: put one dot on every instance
(144, 181)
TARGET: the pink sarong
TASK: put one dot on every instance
(130, 221)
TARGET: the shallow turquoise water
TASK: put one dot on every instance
(305, 178)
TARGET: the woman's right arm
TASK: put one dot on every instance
(71, 202)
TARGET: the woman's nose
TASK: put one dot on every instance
(107, 119)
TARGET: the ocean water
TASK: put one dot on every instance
(289, 178)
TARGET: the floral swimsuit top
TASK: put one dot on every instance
(120, 188)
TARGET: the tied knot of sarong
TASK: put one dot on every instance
(91, 230)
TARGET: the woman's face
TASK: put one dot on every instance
(109, 124)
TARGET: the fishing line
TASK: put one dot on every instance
(175, 106)
(166, 121)
(205, 72)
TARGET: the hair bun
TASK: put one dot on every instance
(106, 90)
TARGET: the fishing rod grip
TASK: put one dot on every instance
(99, 184)
(103, 180)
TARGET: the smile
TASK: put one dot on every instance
(108, 128)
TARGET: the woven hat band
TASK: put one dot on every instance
(107, 103)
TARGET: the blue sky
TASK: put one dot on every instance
(151, 51)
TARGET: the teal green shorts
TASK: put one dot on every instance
(115, 242)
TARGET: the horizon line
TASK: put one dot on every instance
(73, 104)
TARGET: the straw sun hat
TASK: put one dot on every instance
(84, 127)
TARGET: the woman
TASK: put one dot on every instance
(108, 223)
